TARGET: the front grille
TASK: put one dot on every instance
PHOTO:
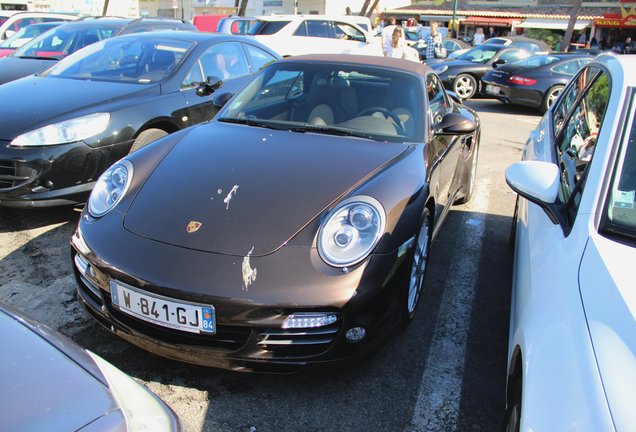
(229, 338)
(9, 177)
(298, 342)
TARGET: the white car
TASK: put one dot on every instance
(572, 341)
(313, 34)
(12, 21)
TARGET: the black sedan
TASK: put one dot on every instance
(535, 81)
(463, 74)
(293, 229)
(47, 49)
(61, 129)
(49, 383)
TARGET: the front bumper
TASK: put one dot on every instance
(249, 320)
(53, 175)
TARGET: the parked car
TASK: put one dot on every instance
(65, 126)
(51, 383)
(301, 217)
(572, 351)
(535, 81)
(47, 49)
(463, 74)
(24, 35)
(534, 45)
(207, 22)
(12, 21)
(313, 34)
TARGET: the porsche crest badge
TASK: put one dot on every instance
(193, 226)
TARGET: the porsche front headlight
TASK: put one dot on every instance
(441, 70)
(68, 131)
(110, 188)
(351, 231)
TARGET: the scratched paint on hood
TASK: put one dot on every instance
(249, 273)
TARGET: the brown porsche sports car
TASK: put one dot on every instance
(294, 229)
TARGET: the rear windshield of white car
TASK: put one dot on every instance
(267, 27)
(620, 208)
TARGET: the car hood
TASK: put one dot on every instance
(607, 290)
(249, 189)
(12, 68)
(39, 101)
(459, 64)
(43, 389)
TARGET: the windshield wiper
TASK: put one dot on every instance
(329, 130)
(253, 122)
(38, 57)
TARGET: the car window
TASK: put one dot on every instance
(620, 207)
(348, 32)
(316, 28)
(568, 68)
(438, 104)
(569, 96)
(479, 54)
(513, 55)
(536, 61)
(576, 143)
(224, 61)
(125, 60)
(61, 42)
(267, 27)
(258, 58)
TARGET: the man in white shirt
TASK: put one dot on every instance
(387, 33)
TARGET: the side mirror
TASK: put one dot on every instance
(220, 100)
(8, 34)
(454, 124)
(498, 63)
(208, 87)
(538, 182)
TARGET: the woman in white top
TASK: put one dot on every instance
(397, 47)
(479, 37)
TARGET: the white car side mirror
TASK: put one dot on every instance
(538, 182)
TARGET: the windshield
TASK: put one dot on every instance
(364, 101)
(63, 41)
(536, 61)
(125, 59)
(480, 54)
(25, 34)
(266, 27)
(620, 211)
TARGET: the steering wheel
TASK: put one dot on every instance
(401, 130)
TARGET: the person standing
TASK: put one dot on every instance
(479, 37)
(397, 47)
(432, 41)
(491, 33)
(387, 34)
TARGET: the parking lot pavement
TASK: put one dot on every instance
(444, 372)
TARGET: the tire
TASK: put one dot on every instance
(550, 97)
(465, 86)
(419, 263)
(146, 137)
(470, 186)
(512, 421)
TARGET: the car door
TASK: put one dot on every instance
(443, 150)
(315, 36)
(224, 62)
(567, 138)
(350, 40)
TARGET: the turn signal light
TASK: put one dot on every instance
(516, 79)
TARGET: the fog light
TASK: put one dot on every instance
(309, 320)
(355, 334)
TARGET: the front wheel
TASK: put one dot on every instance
(146, 137)
(418, 266)
(550, 97)
(465, 86)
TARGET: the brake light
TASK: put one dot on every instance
(516, 79)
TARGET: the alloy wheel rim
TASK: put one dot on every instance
(553, 96)
(420, 258)
(464, 87)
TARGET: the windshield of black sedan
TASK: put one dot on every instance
(364, 101)
(125, 59)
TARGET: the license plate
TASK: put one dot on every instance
(492, 89)
(163, 311)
